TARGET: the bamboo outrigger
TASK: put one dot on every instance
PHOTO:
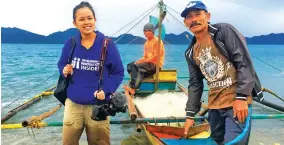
(28, 103)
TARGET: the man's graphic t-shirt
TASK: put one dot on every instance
(219, 73)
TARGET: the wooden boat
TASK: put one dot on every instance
(171, 133)
(167, 133)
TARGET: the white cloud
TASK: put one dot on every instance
(48, 16)
(248, 19)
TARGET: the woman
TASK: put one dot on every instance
(82, 90)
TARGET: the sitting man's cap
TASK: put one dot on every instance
(149, 27)
(193, 5)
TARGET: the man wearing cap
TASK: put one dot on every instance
(145, 66)
(219, 54)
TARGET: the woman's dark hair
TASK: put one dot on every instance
(82, 5)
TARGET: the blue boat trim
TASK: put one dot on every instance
(241, 136)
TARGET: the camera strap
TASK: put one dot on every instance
(102, 61)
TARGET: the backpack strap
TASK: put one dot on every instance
(73, 43)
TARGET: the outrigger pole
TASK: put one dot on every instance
(161, 4)
(270, 105)
(27, 104)
(144, 120)
(131, 106)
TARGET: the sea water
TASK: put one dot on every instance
(33, 68)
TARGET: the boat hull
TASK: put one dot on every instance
(165, 135)
(170, 133)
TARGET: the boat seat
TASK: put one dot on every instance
(165, 75)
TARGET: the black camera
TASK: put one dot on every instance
(117, 103)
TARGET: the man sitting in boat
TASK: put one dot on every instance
(219, 54)
(145, 66)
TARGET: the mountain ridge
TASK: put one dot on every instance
(20, 36)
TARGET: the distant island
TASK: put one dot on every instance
(20, 36)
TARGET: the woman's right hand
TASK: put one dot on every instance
(68, 69)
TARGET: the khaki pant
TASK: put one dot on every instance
(76, 118)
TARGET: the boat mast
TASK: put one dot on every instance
(161, 4)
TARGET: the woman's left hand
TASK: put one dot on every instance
(100, 95)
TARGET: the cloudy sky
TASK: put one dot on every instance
(253, 17)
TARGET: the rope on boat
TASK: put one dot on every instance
(281, 71)
(35, 120)
(28, 91)
(272, 93)
(144, 120)
(135, 25)
(135, 19)
(38, 96)
(43, 94)
(174, 49)
(181, 24)
(133, 40)
(175, 17)
(178, 21)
